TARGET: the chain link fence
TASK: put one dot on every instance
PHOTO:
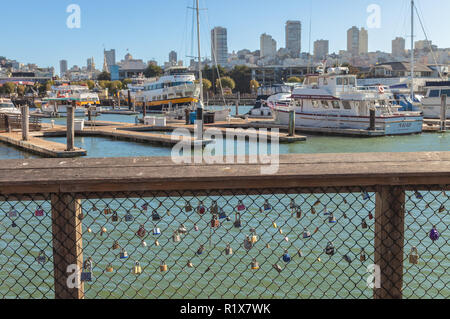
(265, 243)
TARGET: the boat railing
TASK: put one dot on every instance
(323, 226)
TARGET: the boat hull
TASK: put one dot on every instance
(389, 125)
(432, 109)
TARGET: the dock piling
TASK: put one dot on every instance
(291, 122)
(25, 122)
(70, 127)
(443, 123)
(372, 125)
(237, 108)
(129, 100)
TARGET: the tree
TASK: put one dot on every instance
(90, 84)
(115, 87)
(227, 82)
(254, 85)
(9, 87)
(104, 84)
(153, 71)
(104, 76)
(211, 74)
(206, 85)
(294, 79)
(21, 90)
(125, 83)
(242, 76)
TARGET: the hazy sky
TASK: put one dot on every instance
(36, 31)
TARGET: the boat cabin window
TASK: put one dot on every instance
(446, 92)
(434, 93)
(315, 103)
(336, 105)
(325, 104)
(347, 105)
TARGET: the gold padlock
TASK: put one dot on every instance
(254, 237)
(137, 270)
(362, 256)
(115, 245)
(163, 267)
(109, 268)
(190, 264)
(414, 256)
(228, 250)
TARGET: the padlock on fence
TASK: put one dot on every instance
(228, 250)
(414, 256)
(240, 207)
(39, 212)
(237, 221)
(137, 269)
(215, 221)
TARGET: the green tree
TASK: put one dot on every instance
(294, 79)
(90, 84)
(242, 76)
(21, 90)
(254, 85)
(125, 83)
(9, 87)
(104, 84)
(207, 85)
(104, 76)
(115, 87)
(227, 82)
(153, 71)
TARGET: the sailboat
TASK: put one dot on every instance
(431, 102)
(219, 114)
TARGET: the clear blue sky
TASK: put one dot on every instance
(36, 32)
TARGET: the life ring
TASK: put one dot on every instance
(380, 89)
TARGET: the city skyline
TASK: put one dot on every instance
(155, 47)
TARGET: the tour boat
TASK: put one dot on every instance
(274, 94)
(63, 96)
(7, 107)
(175, 88)
(333, 100)
(431, 103)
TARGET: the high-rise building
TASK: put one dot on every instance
(422, 44)
(90, 64)
(268, 46)
(357, 41)
(398, 47)
(321, 48)
(363, 41)
(219, 45)
(63, 68)
(294, 38)
(110, 58)
(173, 58)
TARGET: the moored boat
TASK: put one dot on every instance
(334, 100)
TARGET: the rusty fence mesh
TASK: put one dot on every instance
(271, 243)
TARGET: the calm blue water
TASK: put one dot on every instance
(105, 147)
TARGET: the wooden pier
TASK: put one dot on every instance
(40, 146)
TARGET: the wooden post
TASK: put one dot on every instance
(292, 122)
(372, 125)
(129, 100)
(443, 112)
(389, 241)
(89, 114)
(70, 133)
(145, 107)
(25, 122)
(67, 245)
(237, 108)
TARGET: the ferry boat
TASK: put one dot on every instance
(431, 102)
(62, 96)
(176, 88)
(8, 107)
(334, 100)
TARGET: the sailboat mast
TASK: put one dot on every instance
(412, 50)
(200, 75)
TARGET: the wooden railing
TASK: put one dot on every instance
(65, 183)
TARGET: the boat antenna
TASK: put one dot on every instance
(200, 76)
(412, 50)
(429, 43)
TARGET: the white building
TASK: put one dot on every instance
(219, 45)
(268, 46)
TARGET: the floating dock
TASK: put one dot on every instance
(40, 146)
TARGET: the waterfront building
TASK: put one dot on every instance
(131, 68)
(219, 45)
(294, 37)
